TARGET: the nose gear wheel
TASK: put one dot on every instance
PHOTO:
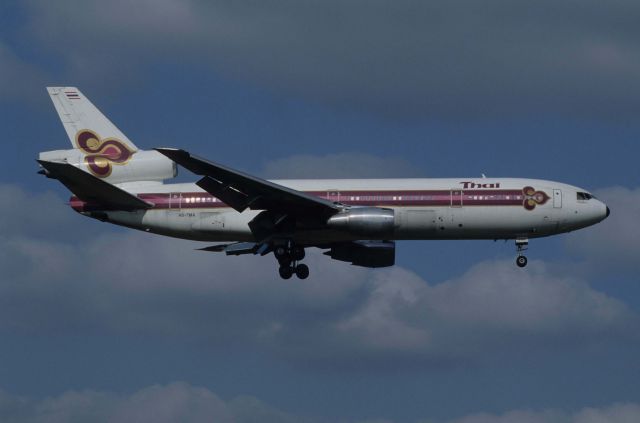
(522, 244)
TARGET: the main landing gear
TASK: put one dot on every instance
(288, 257)
(521, 245)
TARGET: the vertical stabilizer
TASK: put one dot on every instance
(79, 115)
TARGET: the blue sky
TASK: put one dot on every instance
(100, 323)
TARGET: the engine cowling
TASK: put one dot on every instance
(365, 253)
(372, 222)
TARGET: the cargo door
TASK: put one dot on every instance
(333, 196)
(456, 197)
(175, 201)
(557, 199)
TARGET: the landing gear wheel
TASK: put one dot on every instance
(302, 271)
(289, 255)
(286, 272)
(521, 261)
(522, 244)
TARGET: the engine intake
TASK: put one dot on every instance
(368, 221)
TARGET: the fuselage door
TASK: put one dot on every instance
(456, 197)
(333, 196)
(557, 198)
(175, 201)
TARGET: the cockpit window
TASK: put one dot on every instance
(584, 196)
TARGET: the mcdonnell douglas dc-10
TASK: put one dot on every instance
(353, 220)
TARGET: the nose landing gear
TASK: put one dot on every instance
(521, 245)
(288, 257)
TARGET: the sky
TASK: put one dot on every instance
(99, 323)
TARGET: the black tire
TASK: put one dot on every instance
(286, 272)
(298, 253)
(521, 261)
(302, 271)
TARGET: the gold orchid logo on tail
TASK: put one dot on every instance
(102, 154)
(533, 198)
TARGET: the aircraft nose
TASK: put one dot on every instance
(608, 212)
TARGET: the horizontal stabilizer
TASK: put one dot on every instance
(93, 190)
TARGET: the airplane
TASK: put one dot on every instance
(353, 220)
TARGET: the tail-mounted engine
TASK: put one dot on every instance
(113, 168)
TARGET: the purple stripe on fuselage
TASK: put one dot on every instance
(427, 198)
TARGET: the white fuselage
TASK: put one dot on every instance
(483, 208)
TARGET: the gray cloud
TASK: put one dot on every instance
(493, 306)
(401, 58)
(20, 80)
(174, 402)
(20, 216)
(182, 402)
(135, 283)
(616, 241)
(616, 413)
(340, 165)
(120, 41)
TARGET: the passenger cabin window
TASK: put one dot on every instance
(584, 196)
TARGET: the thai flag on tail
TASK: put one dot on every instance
(72, 95)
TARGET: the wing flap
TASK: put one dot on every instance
(90, 189)
(234, 249)
(243, 191)
(236, 199)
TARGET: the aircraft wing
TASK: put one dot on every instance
(241, 191)
(90, 189)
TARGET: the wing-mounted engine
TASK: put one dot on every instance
(370, 222)
(117, 165)
(365, 253)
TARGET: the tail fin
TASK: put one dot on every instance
(81, 118)
(99, 148)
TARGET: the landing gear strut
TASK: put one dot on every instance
(521, 245)
(288, 257)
